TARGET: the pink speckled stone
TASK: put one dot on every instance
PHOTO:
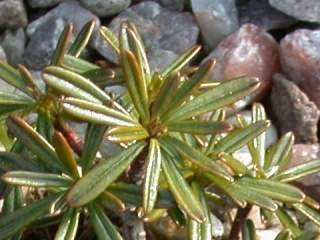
(300, 61)
(250, 51)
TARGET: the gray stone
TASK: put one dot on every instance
(216, 18)
(43, 3)
(13, 43)
(261, 14)
(3, 55)
(161, 29)
(105, 8)
(13, 14)
(294, 111)
(306, 10)
(159, 59)
(177, 5)
(69, 11)
(42, 43)
(300, 61)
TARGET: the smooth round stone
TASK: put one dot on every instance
(216, 18)
(105, 8)
(43, 3)
(300, 61)
(12, 14)
(305, 10)
(250, 51)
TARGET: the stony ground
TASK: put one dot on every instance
(276, 41)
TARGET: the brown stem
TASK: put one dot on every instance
(70, 135)
(241, 216)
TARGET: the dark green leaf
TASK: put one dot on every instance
(10, 161)
(281, 152)
(310, 213)
(103, 227)
(65, 154)
(273, 189)
(136, 85)
(62, 46)
(110, 37)
(33, 141)
(240, 137)
(132, 194)
(182, 192)
(299, 171)
(284, 235)
(82, 39)
(127, 134)
(287, 222)
(12, 77)
(12, 102)
(74, 85)
(92, 142)
(69, 224)
(151, 177)
(101, 176)
(78, 65)
(190, 85)
(96, 113)
(196, 157)
(32, 179)
(248, 231)
(225, 94)
(180, 61)
(15, 221)
(111, 201)
(237, 166)
(199, 127)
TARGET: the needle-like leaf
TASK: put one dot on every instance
(312, 214)
(225, 94)
(199, 127)
(69, 224)
(180, 61)
(82, 39)
(273, 189)
(32, 179)
(287, 221)
(65, 154)
(110, 38)
(13, 102)
(196, 157)
(69, 83)
(151, 177)
(181, 191)
(62, 46)
(33, 140)
(15, 221)
(96, 113)
(103, 227)
(101, 176)
(136, 85)
(127, 134)
(92, 142)
(299, 171)
(240, 137)
(248, 231)
(78, 65)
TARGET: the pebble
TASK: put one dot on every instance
(177, 5)
(12, 14)
(250, 51)
(305, 10)
(13, 43)
(160, 29)
(41, 46)
(294, 111)
(216, 19)
(43, 3)
(105, 8)
(3, 55)
(260, 13)
(70, 11)
(300, 61)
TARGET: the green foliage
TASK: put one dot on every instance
(174, 163)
